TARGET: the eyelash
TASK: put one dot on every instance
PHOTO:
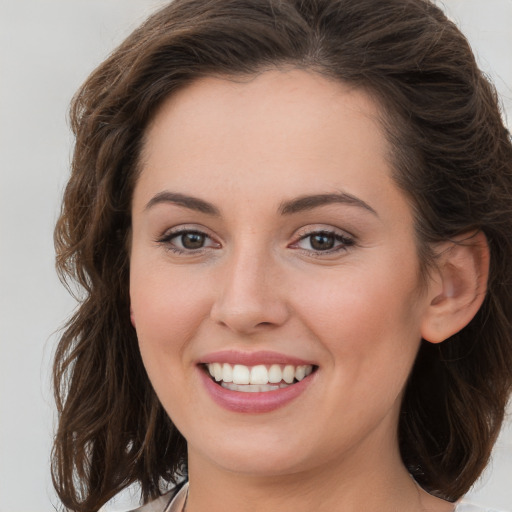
(167, 239)
(344, 242)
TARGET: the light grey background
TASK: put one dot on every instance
(47, 48)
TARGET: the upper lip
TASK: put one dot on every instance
(252, 358)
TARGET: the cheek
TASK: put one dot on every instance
(369, 321)
(167, 309)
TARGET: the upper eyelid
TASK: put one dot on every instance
(184, 228)
(300, 233)
(350, 240)
(311, 230)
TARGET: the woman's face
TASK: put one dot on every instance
(270, 242)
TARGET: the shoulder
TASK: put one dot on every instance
(158, 505)
(172, 501)
(466, 506)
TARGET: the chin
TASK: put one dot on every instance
(257, 456)
(261, 465)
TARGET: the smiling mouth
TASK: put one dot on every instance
(258, 378)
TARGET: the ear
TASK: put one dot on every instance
(457, 287)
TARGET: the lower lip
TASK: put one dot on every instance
(239, 401)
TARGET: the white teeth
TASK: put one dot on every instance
(257, 378)
(300, 372)
(249, 388)
(241, 374)
(275, 374)
(227, 373)
(217, 371)
(259, 374)
(289, 373)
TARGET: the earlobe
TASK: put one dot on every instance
(132, 317)
(458, 289)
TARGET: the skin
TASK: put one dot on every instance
(246, 147)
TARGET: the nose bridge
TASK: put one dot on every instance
(248, 295)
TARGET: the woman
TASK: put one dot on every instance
(291, 224)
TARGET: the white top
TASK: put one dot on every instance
(162, 504)
(465, 506)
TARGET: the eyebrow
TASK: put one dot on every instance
(305, 203)
(297, 205)
(192, 203)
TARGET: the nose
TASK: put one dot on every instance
(250, 295)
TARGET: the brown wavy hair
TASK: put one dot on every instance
(451, 154)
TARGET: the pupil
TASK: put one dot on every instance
(192, 240)
(322, 242)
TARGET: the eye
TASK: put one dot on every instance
(187, 240)
(190, 240)
(324, 241)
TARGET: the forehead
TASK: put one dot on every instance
(291, 104)
(290, 130)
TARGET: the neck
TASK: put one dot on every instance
(377, 481)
